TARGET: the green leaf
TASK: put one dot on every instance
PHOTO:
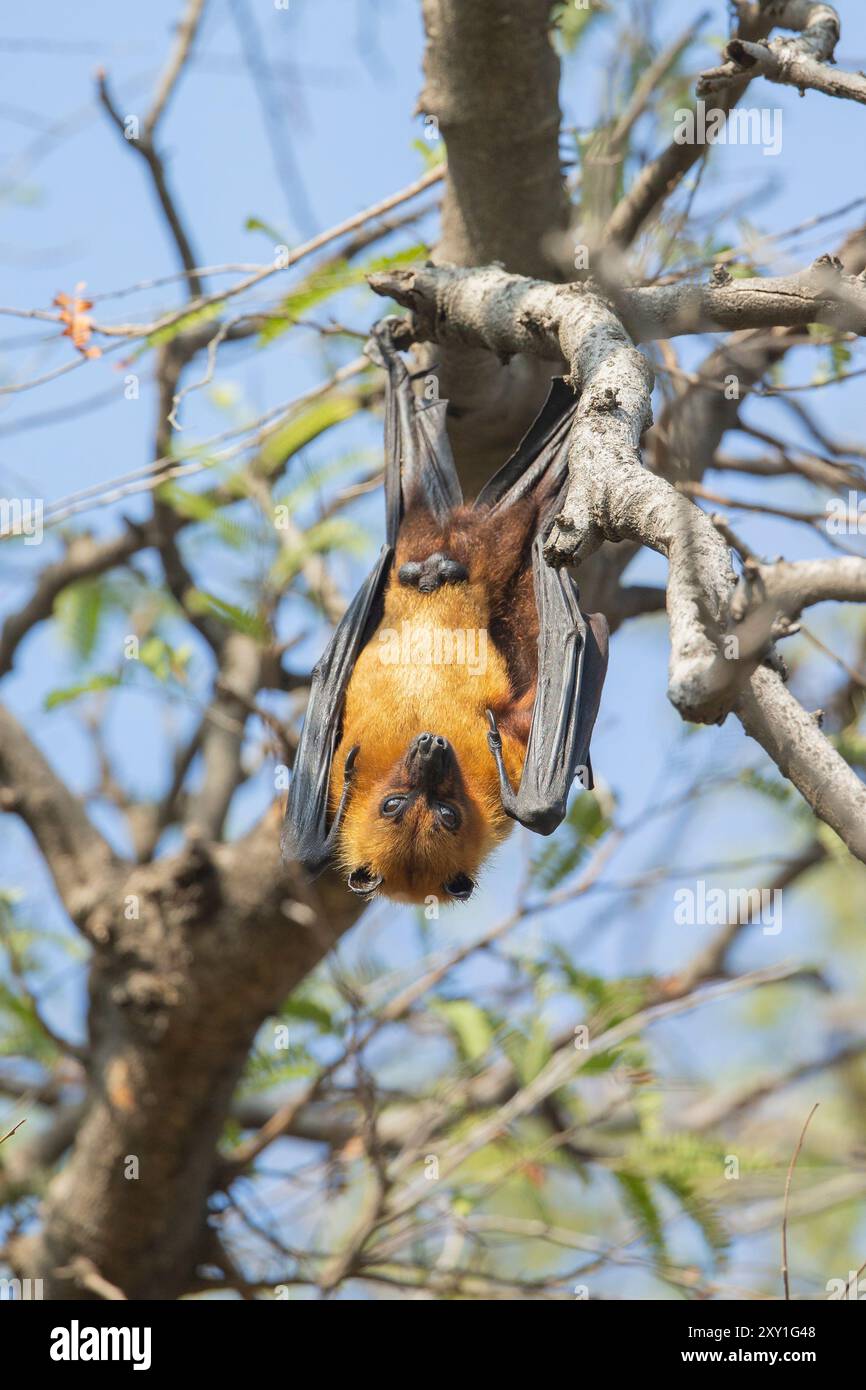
(313, 421)
(106, 681)
(837, 356)
(266, 1068)
(701, 1211)
(470, 1025)
(256, 224)
(851, 746)
(199, 507)
(409, 256)
(820, 332)
(163, 661)
(528, 1054)
(171, 331)
(332, 278)
(317, 287)
(537, 1053)
(194, 506)
(840, 357)
(432, 152)
(337, 533)
(316, 479)
(251, 624)
(21, 1033)
(740, 270)
(609, 1001)
(79, 610)
(638, 1199)
(308, 1010)
(773, 788)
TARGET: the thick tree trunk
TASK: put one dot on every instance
(177, 995)
(491, 82)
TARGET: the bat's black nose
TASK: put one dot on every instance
(428, 743)
(429, 755)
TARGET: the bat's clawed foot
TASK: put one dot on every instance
(349, 764)
(429, 575)
(494, 742)
(494, 737)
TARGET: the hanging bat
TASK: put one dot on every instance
(459, 691)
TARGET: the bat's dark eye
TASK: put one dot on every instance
(392, 805)
(449, 815)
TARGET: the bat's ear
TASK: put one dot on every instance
(460, 887)
(362, 880)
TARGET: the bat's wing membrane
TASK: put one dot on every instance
(572, 662)
(306, 837)
(541, 455)
(419, 464)
(572, 648)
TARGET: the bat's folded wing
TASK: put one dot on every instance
(418, 462)
(307, 839)
(572, 663)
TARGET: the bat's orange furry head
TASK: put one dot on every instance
(418, 832)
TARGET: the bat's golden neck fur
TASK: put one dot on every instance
(430, 666)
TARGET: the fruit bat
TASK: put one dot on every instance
(459, 691)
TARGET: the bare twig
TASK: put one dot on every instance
(791, 1166)
(13, 1130)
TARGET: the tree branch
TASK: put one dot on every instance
(803, 62)
(769, 714)
(74, 851)
(223, 734)
(658, 179)
(491, 79)
(144, 142)
(821, 294)
(84, 559)
(187, 31)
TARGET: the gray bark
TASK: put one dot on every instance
(491, 81)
